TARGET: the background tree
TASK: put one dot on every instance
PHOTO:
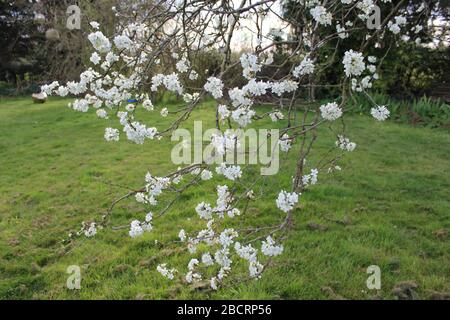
(20, 28)
(410, 68)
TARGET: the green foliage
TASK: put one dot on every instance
(388, 206)
(423, 111)
(411, 70)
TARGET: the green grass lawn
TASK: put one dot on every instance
(389, 206)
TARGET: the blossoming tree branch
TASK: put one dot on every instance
(154, 51)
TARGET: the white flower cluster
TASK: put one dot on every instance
(366, 6)
(249, 253)
(95, 25)
(183, 65)
(204, 210)
(171, 82)
(111, 134)
(168, 273)
(95, 58)
(321, 15)
(270, 249)
(215, 87)
(148, 105)
(224, 143)
(138, 132)
(91, 230)
(276, 115)
(100, 42)
(243, 116)
(223, 111)
(331, 111)
(230, 172)
(192, 276)
(122, 42)
(345, 144)
(137, 228)
(341, 31)
(223, 205)
(395, 26)
(81, 105)
(153, 188)
(164, 112)
(285, 143)
(102, 114)
(311, 178)
(182, 235)
(353, 63)
(250, 65)
(207, 259)
(284, 86)
(193, 75)
(305, 67)
(256, 88)
(206, 175)
(286, 201)
(380, 113)
(188, 98)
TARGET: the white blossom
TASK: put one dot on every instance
(276, 115)
(285, 143)
(243, 116)
(214, 86)
(95, 58)
(204, 210)
(182, 65)
(111, 134)
(223, 111)
(255, 269)
(269, 248)
(341, 31)
(331, 111)
(148, 105)
(213, 283)
(305, 67)
(284, 86)
(286, 201)
(345, 144)
(138, 132)
(249, 63)
(94, 24)
(99, 42)
(230, 172)
(168, 273)
(353, 63)
(206, 175)
(164, 112)
(321, 15)
(91, 231)
(380, 113)
(246, 252)
(207, 260)
(193, 75)
(122, 42)
(101, 113)
(182, 235)
(62, 91)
